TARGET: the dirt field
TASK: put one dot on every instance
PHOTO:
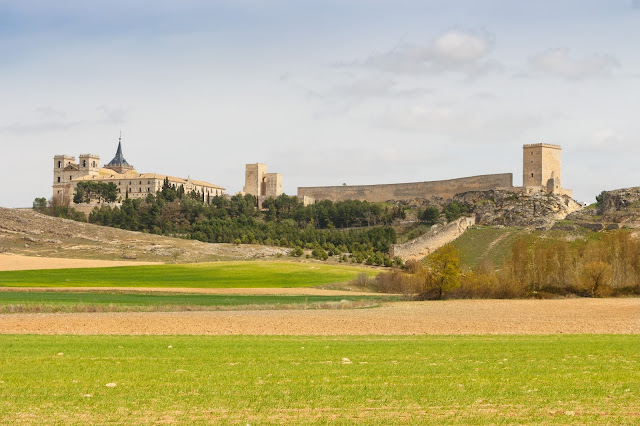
(15, 262)
(576, 316)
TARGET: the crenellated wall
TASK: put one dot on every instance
(407, 191)
(437, 237)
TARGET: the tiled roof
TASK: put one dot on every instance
(108, 174)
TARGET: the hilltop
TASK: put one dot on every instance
(501, 217)
(619, 208)
(27, 232)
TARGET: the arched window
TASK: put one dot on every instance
(84, 163)
(59, 164)
(58, 178)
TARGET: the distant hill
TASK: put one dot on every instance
(541, 215)
(30, 233)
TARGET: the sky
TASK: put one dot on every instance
(323, 92)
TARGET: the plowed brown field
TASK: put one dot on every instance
(578, 316)
(15, 262)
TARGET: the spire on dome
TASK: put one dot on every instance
(119, 164)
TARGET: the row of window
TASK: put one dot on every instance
(139, 190)
(84, 164)
(139, 183)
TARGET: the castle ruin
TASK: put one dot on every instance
(541, 173)
(542, 169)
(261, 184)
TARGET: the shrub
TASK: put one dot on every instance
(296, 252)
(319, 253)
(430, 215)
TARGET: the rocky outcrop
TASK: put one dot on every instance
(615, 209)
(503, 207)
(626, 199)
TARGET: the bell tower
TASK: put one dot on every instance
(62, 165)
(89, 164)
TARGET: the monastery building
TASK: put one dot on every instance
(67, 174)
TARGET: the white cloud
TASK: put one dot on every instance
(454, 50)
(462, 124)
(457, 46)
(558, 62)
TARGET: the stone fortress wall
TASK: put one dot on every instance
(407, 191)
(542, 172)
(438, 236)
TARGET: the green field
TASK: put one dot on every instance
(480, 242)
(250, 274)
(256, 379)
(66, 301)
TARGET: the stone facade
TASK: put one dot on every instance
(542, 168)
(261, 184)
(65, 170)
(407, 191)
(542, 172)
(131, 184)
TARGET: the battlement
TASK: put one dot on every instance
(407, 191)
(542, 171)
(542, 145)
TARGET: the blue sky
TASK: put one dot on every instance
(324, 92)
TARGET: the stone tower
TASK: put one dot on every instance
(260, 183)
(64, 169)
(254, 179)
(541, 166)
(89, 163)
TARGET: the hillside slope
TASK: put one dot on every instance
(619, 208)
(30, 233)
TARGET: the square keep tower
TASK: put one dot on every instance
(541, 166)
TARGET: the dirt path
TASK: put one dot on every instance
(15, 262)
(615, 316)
(493, 243)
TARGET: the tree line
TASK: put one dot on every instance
(357, 228)
(603, 265)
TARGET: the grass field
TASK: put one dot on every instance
(249, 274)
(254, 379)
(493, 243)
(42, 301)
